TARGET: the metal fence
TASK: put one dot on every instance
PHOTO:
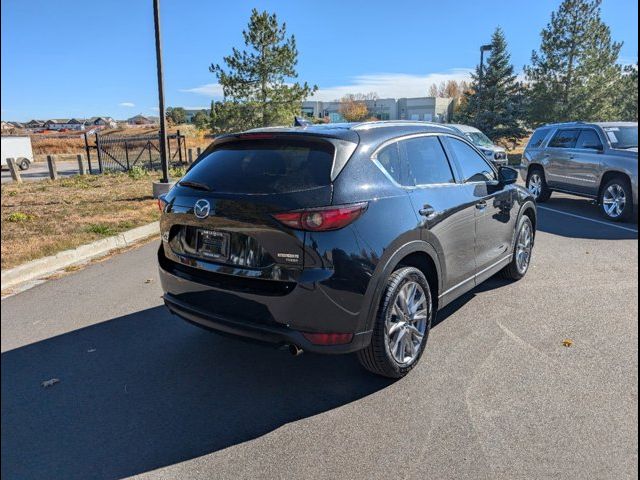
(116, 152)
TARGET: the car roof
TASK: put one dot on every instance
(587, 124)
(463, 128)
(367, 131)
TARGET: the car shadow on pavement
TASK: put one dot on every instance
(148, 390)
(493, 283)
(557, 223)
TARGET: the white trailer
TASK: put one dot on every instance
(18, 148)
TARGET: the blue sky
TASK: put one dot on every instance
(78, 58)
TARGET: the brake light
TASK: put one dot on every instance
(161, 204)
(328, 338)
(322, 219)
(256, 136)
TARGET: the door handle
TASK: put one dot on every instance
(481, 205)
(427, 211)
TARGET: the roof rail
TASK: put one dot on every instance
(396, 123)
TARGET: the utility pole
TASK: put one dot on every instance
(164, 161)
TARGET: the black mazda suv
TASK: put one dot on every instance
(340, 238)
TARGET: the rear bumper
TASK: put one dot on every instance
(274, 318)
(277, 335)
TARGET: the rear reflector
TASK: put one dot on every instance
(328, 338)
(322, 219)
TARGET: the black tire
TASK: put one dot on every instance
(23, 164)
(622, 184)
(545, 192)
(376, 357)
(514, 270)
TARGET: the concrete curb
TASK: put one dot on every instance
(48, 265)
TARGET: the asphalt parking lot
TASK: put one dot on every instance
(497, 394)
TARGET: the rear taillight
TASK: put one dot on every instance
(161, 204)
(322, 219)
(328, 338)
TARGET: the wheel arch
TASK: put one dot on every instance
(418, 254)
(534, 166)
(609, 175)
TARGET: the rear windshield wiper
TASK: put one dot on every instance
(195, 185)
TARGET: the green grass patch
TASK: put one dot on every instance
(100, 229)
(20, 217)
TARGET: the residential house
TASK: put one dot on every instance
(64, 124)
(106, 122)
(141, 120)
(34, 124)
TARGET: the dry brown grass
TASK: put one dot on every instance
(70, 145)
(46, 217)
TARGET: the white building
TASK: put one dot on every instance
(432, 109)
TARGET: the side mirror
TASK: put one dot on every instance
(507, 175)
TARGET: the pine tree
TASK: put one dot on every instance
(255, 82)
(575, 71)
(628, 94)
(493, 101)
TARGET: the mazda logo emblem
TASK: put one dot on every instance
(202, 208)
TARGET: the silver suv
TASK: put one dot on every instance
(593, 160)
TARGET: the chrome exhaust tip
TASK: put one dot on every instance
(295, 350)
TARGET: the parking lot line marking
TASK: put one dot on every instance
(608, 224)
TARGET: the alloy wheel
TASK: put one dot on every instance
(523, 248)
(535, 184)
(406, 323)
(614, 201)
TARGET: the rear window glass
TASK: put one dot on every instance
(265, 166)
(538, 137)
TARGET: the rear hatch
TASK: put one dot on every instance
(219, 217)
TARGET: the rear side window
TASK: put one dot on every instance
(265, 166)
(537, 138)
(473, 166)
(389, 158)
(564, 139)
(427, 163)
(589, 139)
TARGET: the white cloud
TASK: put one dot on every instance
(386, 85)
(391, 85)
(211, 90)
(126, 104)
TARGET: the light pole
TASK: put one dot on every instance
(163, 131)
(483, 48)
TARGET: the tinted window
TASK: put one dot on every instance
(265, 166)
(538, 137)
(588, 138)
(389, 158)
(474, 167)
(565, 139)
(427, 162)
